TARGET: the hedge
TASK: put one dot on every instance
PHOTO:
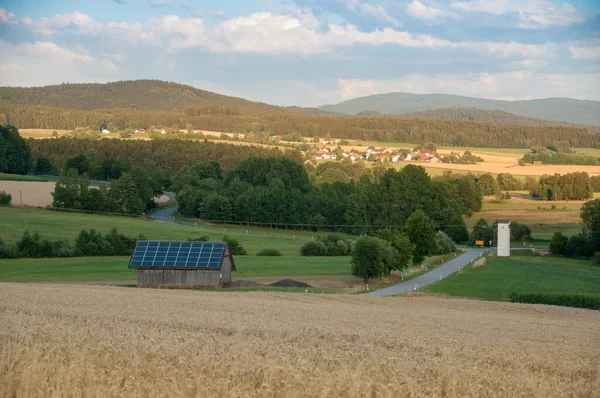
(576, 300)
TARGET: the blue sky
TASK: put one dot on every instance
(310, 52)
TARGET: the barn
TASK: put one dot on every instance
(182, 264)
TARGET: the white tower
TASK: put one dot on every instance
(503, 238)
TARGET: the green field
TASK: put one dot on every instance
(115, 269)
(18, 177)
(62, 225)
(499, 277)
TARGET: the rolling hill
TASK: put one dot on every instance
(154, 95)
(554, 109)
(487, 116)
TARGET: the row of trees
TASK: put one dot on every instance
(88, 243)
(278, 192)
(440, 132)
(170, 155)
(132, 193)
(570, 186)
(561, 158)
(585, 244)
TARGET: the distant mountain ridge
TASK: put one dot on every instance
(155, 95)
(555, 109)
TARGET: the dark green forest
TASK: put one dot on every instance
(449, 133)
(148, 103)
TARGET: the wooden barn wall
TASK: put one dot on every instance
(178, 278)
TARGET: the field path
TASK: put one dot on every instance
(432, 276)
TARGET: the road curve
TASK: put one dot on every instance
(432, 276)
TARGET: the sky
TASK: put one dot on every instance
(310, 52)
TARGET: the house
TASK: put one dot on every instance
(105, 131)
(166, 131)
(78, 129)
(537, 163)
(182, 264)
(250, 136)
(328, 142)
(396, 159)
(141, 131)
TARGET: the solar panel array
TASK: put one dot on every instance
(177, 254)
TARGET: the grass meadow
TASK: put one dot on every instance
(498, 277)
(112, 342)
(66, 225)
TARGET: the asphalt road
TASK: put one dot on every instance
(432, 276)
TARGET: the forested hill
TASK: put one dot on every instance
(153, 95)
(486, 116)
(556, 109)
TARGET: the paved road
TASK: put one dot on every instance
(432, 276)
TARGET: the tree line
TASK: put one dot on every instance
(587, 243)
(278, 192)
(384, 129)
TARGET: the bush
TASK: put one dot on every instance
(234, 246)
(93, 243)
(443, 243)
(269, 252)
(314, 248)
(558, 244)
(577, 300)
(328, 245)
(201, 238)
(5, 198)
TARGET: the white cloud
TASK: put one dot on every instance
(592, 53)
(532, 14)
(424, 12)
(10, 18)
(375, 11)
(300, 32)
(77, 21)
(43, 62)
(512, 85)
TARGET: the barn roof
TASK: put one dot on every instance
(180, 255)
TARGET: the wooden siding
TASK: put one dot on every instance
(165, 277)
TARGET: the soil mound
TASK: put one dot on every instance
(289, 283)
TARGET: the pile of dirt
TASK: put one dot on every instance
(289, 283)
(244, 283)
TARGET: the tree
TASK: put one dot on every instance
(80, 163)
(421, 232)
(590, 215)
(401, 243)
(508, 182)
(487, 184)
(15, 153)
(443, 243)
(367, 258)
(67, 192)
(558, 244)
(43, 166)
(125, 196)
(216, 208)
(5, 198)
(482, 231)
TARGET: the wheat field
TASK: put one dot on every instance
(70, 340)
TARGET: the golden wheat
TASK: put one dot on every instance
(69, 340)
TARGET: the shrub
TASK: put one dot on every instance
(577, 300)
(443, 243)
(234, 246)
(269, 252)
(93, 243)
(201, 238)
(558, 244)
(5, 198)
(314, 248)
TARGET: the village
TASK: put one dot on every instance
(330, 150)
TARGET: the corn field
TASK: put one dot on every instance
(75, 340)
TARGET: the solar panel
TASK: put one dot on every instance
(177, 254)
